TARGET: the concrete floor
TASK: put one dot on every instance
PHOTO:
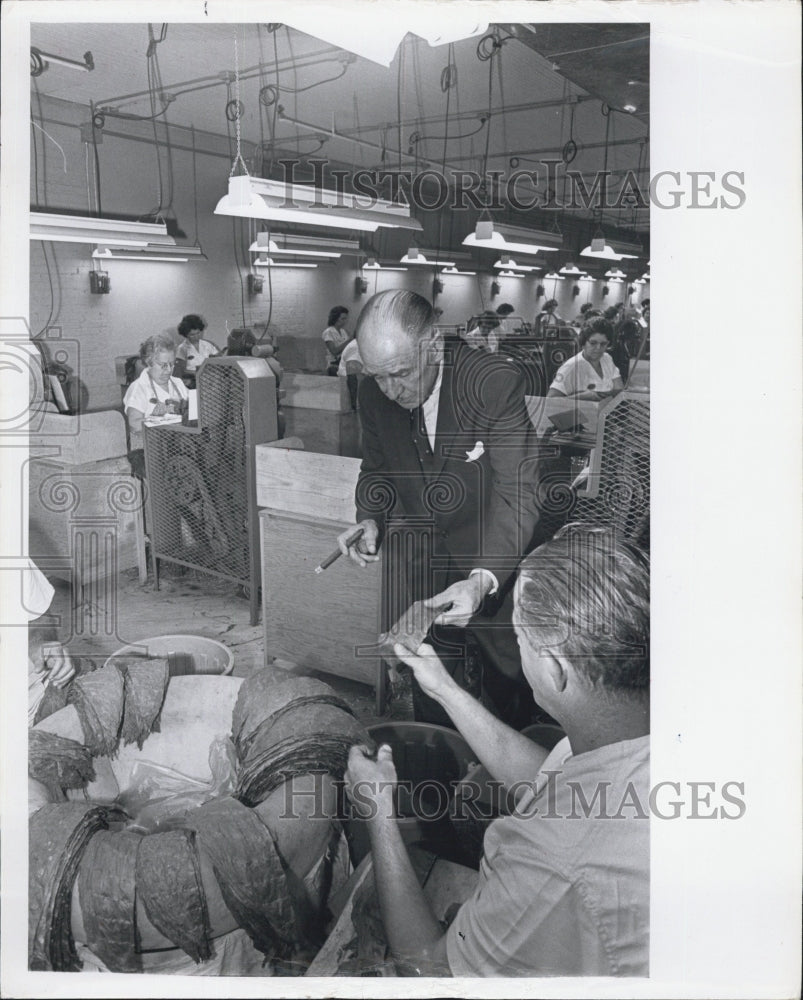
(187, 602)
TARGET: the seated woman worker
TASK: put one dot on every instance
(193, 349)
(155, 393)
(591, 374)
(553, 897)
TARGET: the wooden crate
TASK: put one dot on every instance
(326, 621)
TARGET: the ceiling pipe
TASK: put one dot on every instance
(220, 79)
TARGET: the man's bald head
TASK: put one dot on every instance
(400, 346)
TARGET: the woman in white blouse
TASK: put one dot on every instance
(591, 374)
(193, 349)
(156, 392)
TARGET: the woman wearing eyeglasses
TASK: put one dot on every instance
(156, 395)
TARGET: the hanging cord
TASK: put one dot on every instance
(448, 80)
(239, 107)
(154, 86)
(606, 112)
(398, 103)
(235, 233)
(260, 104)
(491, 48)
(194, 186)
(49, 136)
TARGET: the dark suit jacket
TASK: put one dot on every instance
(475, 491)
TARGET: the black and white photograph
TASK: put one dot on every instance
(341, 488)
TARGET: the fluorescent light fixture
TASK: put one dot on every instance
(606, 254)
(377, 37)
(414, 256)
(639, 281)
(371, 265)
(611, 249)
(510, 274)
(268, 262)
(509, 263)
(132, 253)
(286, 244)
(616, 281)
(259, 198)
(615, 273)
(513, 239)
(571, 271)
(272, 247)
(646, 276)
(56, 228)
(48, 57)
(453, 270)
(553, 276)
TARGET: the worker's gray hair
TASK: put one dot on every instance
(400, 309)
(584, 596)
(158, 342)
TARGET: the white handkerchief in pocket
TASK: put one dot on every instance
(476, 452)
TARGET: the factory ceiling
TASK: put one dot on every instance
(506, 100)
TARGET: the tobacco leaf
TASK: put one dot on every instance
(58, 834)
(265, 693)
(55, 698)
(299, 719)
(98, 699)
(410, 630)
(250, 873)
(58, 762)
(312, 739)
(145, 684)
(168, 881)
(107, 893)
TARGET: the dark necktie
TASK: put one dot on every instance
(418, 432)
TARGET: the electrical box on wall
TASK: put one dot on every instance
(99, 283)
(255, 284)
(360, 285)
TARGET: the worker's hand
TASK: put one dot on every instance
(430, 673)
(370, 783)
(159, 410)
(362, 551)
(58, 667)
(590, 394)
(466, 597)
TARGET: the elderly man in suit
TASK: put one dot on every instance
(448, 459)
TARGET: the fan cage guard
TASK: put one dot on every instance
(618, 491)
(202, 507)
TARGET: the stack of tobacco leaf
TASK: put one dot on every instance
(55, 698)
(98, 699)
(58, 762)
(122, 700)
(286, 727)
(144, 682)
(168, 881)
(57, 837)
(264, 897)
(107, 893)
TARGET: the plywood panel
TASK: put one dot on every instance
(325, 432)
(317, 392)
(84, 519)
(326, 621)
(307, 483)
